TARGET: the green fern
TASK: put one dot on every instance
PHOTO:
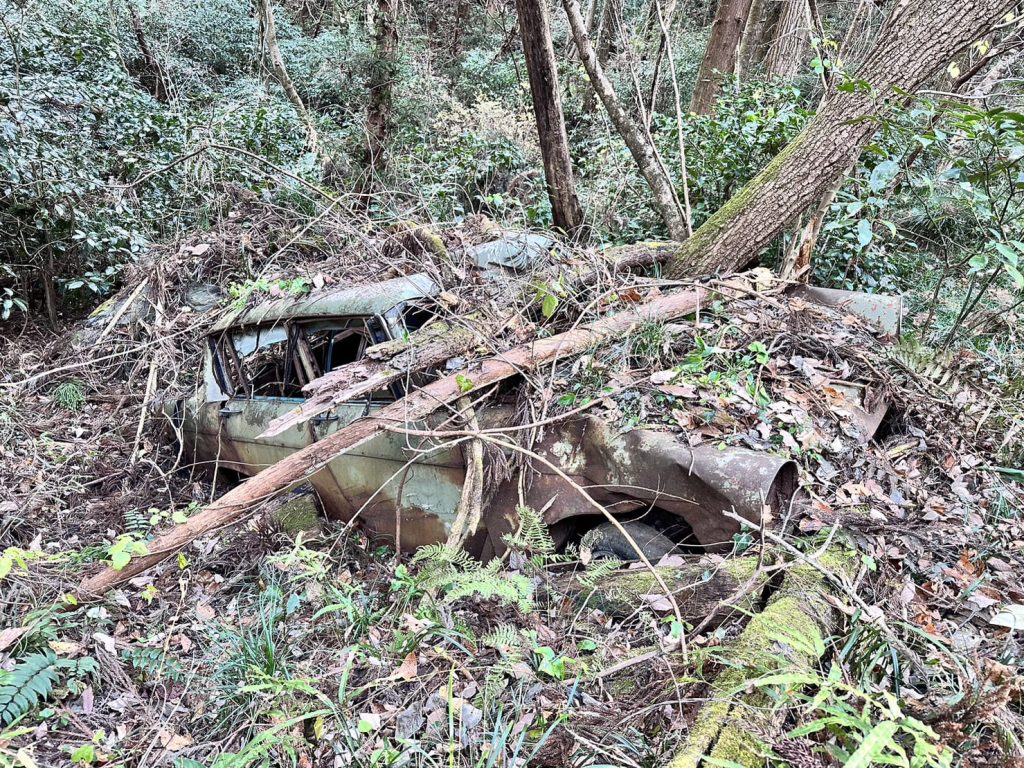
(925, 362)
(598, 570)
(487, 582)
(503, 638)
(30, 682)
(533, 536)
(136, 521)
(456, 574)
(508, 642)
(153, 663)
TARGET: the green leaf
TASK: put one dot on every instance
(118, 560)
(549, 305)
(882, 174)
(874, 745)
(1015, 275)
(84, 755)
(864, 233)
(465, 384)
(1007, 253)
(978, 261)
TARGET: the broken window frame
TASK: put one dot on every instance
(299, 358)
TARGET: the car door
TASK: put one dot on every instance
(395, 483)
(265, 378)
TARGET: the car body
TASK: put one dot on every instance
(258, 359)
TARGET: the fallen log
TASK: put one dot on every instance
(787, 637)
(699, 587)
(301, 465)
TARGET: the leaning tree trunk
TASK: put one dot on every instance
(602, 40)
(792, 36)
(919, 37)
(720, 55)
(266, 12)
(634, 135)
(383, 72)
(539, 50)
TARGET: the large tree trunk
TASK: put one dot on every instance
(635, 136)
(919, 37)
(792, 36)
(757, 35)
(383, 72)
(539, 50)
(721, 53)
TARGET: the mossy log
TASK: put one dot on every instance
(726, 727)
(700, 588)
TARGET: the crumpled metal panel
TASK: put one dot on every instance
(351, 301)
(883, 312)
(513, 250)
(628, 471)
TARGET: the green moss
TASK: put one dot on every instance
(620, 592)
(298, 515)
(693, 255)
(798, 610)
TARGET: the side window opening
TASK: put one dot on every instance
(417, 314)
(333, 348)
(262, 362)
(277, 361)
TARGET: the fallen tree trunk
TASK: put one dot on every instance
(699, 588)
(787, 637)
(918, 38)
(436, 343)
(413, 407)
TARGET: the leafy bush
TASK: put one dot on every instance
(479, 158)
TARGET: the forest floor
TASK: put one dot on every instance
(252, 647)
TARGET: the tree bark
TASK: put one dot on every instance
(637, 140)
(383, 73)
(539, 50)
(757, 36)
(409, 409)
(919, 37)
(721, 54)
(607, 28)
(153, 78)
(281, 74)
(792, 36)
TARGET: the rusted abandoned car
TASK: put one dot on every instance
(257, 361)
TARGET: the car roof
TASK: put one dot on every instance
(348, 301)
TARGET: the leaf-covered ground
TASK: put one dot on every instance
(254, 648)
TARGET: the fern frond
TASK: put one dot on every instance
(30, 682)
(597, 571)
(533, 536)
(503, 638)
